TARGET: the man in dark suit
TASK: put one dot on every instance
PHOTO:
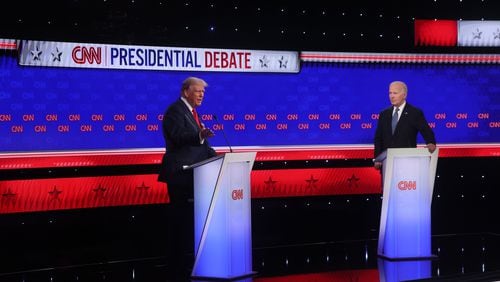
(399, 124)
(185, 144)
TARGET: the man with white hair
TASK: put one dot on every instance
(399, 124)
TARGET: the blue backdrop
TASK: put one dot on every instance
(45, 108)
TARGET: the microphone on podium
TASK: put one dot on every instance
(224, 134)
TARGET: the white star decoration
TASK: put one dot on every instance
(36, 54)
(56, 56)
(477, 34)
(496, 34)
(283, 62)
(263, 62)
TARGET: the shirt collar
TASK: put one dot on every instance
(187, 104)
(400, 107)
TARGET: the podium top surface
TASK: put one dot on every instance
(185, 167)
(231, 157)
(405, 152)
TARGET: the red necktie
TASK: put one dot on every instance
(195, 115)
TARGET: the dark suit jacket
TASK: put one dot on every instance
(182, 145)
(411, 122)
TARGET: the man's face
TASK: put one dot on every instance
(397, 94)
(194, 94)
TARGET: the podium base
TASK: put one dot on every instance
(234, 278)
(431, 257)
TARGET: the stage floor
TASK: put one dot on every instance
(465, 257)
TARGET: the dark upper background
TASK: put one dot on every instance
(355, 25)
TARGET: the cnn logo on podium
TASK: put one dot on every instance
(237, 194)
(407, 185)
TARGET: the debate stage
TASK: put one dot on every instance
(130, 257)
(67, 218)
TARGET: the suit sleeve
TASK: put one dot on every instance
(178, 130)
(211, 151)
(378, 140)
(424, 129)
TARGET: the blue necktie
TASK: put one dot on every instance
(394, 120)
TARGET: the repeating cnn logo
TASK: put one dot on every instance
(82, 55)
(237, 194)
(407, 185)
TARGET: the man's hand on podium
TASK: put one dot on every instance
(431, 147)
(377, 165)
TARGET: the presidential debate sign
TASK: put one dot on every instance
(63, 54)
(71, 96)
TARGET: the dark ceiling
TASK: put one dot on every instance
(371, 26)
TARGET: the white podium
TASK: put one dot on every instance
(222, 217)
(405, 222)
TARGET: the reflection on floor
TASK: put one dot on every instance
(471, 257)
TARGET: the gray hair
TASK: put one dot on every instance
(192, 81)
(402, 84)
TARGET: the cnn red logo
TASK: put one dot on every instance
(237, 194)
(407, 185)
(81, 55)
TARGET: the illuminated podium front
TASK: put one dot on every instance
(405, 222)
(222, 216)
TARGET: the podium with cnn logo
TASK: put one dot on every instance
(405, 223)
(222, 216)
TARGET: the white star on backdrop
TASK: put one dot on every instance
(477, 34)
(263, 62)
(283, 62)
(56, 56)
(496, 34)
(36, 54)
